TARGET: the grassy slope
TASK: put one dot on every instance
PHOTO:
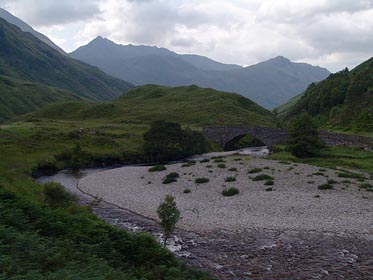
(284, 108)
(25, 57)
(344, 101)
(187, 105)
(19, 97)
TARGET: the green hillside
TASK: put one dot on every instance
(25, 57)
(19, 97)
(186, 105)
(344, 101)
(284, 108)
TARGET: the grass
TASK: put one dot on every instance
(262, 177)
(201, 180)
(332, 182)
(254, 170)
(230, 192)
(350, 175)
(334, 157)
(190, 105)
(367, 187)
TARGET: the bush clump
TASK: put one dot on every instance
(230, 179)
(169, 180)
(262, 177)
(254, 170)
(230, 192)
(173, 175)
(325, 187)
(56, 196)
(269, 183)
(157, 168)
(269, 189)
(204, 160)
(332, 182)
(232, 169)
(201, 180)
(222, 165)
(187, 191)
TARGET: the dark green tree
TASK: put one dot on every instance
(166, 141)
(304, 137)
(168, 215)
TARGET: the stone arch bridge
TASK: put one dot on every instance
(227, 136)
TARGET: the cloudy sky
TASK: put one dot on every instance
(330, 33)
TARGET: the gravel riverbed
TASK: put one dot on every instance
(295, 202)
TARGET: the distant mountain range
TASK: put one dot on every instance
(25, 57)
(269, 83)
(27, 28)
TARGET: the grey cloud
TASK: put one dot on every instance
(49, 13)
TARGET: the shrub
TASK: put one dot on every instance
(325, 187)
(204, 160)
(157, 168)
(238, 159)
(168, 215)
(230, 192)
(254, 170)
(269, 189)
(262, 177)
(201, 180)
(269, 183)
(318, 174)
(219, 160)
(232, 169)
(230, 179)
(56, 196)
(187, 191)
(222, 165)
(169, 180)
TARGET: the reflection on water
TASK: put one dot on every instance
(254, 151)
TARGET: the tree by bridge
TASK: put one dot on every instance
(304, 137)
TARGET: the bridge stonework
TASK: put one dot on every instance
(228, 135)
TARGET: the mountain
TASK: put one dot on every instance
(27, 28)
(344, 101)
(188, 105)
(25, 57)
(269, 83)
(19, 97)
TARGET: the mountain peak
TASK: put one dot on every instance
(280, 59)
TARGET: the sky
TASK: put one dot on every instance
(330, 33)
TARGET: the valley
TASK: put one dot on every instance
(93, 141)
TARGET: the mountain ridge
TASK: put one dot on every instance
(27, 28)
(274, 81)
(24, 57)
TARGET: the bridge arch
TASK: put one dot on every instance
(233, 143)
